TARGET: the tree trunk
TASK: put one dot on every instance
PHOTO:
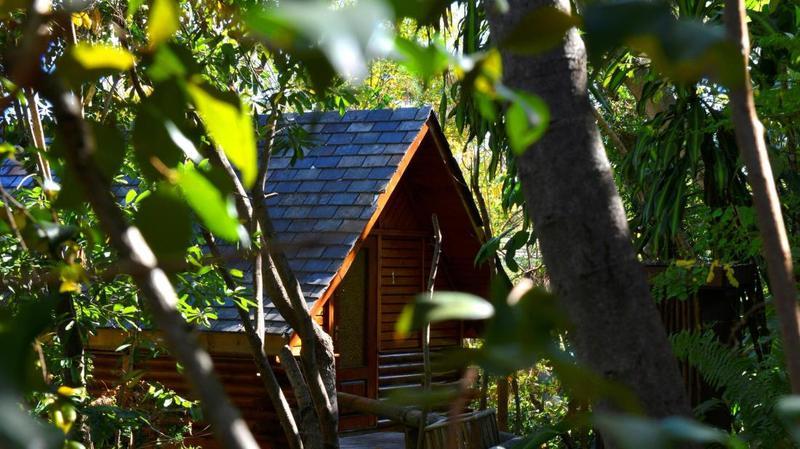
(311, 433)
(317, 356)
(502, 403)
(256, 342)
(750, 139)
(517, 404)
(582, 227)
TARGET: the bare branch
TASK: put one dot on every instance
(750, 139)
(256, 342)
(79, 148)
(10, 215)
(426, 331)
(284, 290)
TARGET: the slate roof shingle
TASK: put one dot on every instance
(324, 200)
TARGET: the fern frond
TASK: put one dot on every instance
(751, 389)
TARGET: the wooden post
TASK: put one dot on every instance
(426, 334)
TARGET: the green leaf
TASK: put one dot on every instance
(163, 22)
(85, 62)
(682, 429)
(172, 60)
(55, 234)
(526, 119)
(684, 50)
(521, 330)
(152, 138)
(788, 410)
(20, 430)
(230, 126)
(438, 397)
(756, 5)
(423, 61)
(489, 249)
(424, 12)
(133, 6)
(512, 245)
(7, 6)
(348, 36)
(17, 332)
(70, 196)
(540, 30)
(486, 106)
(130, 196)
(109, 148)
(631, 432)
(165, 222)
(7, 150)
(442, 306)
(109, 155)
(216, 212)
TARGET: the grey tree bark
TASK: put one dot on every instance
(256, 342)
(306, 414)
(582, 227)
(228, 426)
(317, 357)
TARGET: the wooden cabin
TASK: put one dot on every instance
(354, 218)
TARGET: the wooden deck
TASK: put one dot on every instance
(374, 440)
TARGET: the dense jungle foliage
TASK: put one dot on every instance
(165, 86)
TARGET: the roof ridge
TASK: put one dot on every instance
(420, 113)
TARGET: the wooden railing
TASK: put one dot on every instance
(475, 430)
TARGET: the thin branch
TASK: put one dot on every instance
(284, 290)
(426, 331)
(750, 139)
(610, 133)
(11, 220)
(79, 149)
(108, 100)
(37, 132)
(256, 342)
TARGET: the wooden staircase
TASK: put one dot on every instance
(403, 370)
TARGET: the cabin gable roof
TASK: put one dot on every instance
(325, 203)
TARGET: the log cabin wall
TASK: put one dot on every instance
(405, 244)
(237, 372)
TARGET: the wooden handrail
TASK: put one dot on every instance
(408, 416)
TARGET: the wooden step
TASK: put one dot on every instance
(404, 379)
(387, 358)
(399, 368)
(384, 391)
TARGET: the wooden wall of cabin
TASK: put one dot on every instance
(237, 373)
(405, 245)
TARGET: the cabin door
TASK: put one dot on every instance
(355, 333)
